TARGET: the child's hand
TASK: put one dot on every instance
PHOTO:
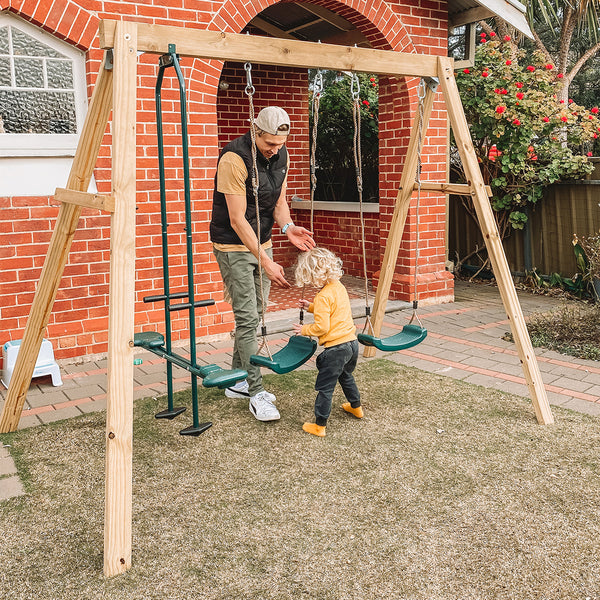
(297, 328)
(304, 304)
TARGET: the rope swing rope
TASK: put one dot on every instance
(298, 348)
(411, 334)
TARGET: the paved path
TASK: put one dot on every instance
(464, 341)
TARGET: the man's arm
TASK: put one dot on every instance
(300, 237)
(236, 205)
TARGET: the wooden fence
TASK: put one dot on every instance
(565, 209)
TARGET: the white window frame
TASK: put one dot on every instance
(48, 144)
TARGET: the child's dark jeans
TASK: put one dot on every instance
(336, 363)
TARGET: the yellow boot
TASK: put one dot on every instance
(315, 429)
(357, 412)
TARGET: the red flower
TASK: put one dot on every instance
(570, 100)
(372, 79)
(492, 34)
(516, 122)
(482, 34)
(500, 109)
(503, 91)
(366, 102)
(485, 74)
(546, 119)
(560, 75)
(507, 38)
(519, 84)
(466, 71)
(590, 154)
(509, 62)
(549, 67)
(531, 69)
(520, 95)
(594, 110)
(564, 119)
(562, 101)
(595, 136)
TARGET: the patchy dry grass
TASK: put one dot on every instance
(444, 491)
(572, 329)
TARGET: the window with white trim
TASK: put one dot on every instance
(42, 91)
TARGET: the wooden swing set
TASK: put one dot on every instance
(116, 90)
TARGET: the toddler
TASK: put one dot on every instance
(335, 330)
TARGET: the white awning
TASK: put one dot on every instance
(463, 12)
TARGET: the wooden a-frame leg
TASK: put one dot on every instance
(392, 245)
(58, 251)
(119, 410)
(493, 243)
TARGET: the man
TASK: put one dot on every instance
(233, 231)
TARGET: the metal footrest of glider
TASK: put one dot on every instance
(296, 352)
(191, 430)
(215, 376)
(149, 339)
(170, 414)
(411, 335)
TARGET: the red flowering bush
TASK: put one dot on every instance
(512, 108)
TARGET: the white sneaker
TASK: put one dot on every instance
(262, 407)
(239, 390)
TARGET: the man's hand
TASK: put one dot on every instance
(300, 237)
(275, 273)
(297, 328)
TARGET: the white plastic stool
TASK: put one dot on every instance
(45, 364)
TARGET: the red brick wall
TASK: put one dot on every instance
(79, 319)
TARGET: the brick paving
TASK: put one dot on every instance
(464, 342)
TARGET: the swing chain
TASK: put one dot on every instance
(255, 184)
(317, 91)
(355, 92)
(421, 93)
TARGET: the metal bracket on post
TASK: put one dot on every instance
(432, 83)
(108, 60)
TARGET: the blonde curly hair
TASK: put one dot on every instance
(317, 266)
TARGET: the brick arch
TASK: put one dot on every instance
(64, 19)
(389, 34)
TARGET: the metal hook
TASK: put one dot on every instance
(318, 83)
(355, 87)
(249, 87)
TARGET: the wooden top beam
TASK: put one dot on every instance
(237, 47)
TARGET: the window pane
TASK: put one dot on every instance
(38, 112)
(3, 40)
(4, 71)
(29, 72)
(60, 74)
(25, 45)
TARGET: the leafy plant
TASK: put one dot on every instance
(524, 136)
(336, 173)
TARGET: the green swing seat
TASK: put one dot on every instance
(297, 351)
(211, 375)
(411, 335)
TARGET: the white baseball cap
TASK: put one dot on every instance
(273, 120)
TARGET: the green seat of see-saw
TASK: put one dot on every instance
(296, 352)
(411, 335)
(212, 375)
(215, 376)
(149, 339)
